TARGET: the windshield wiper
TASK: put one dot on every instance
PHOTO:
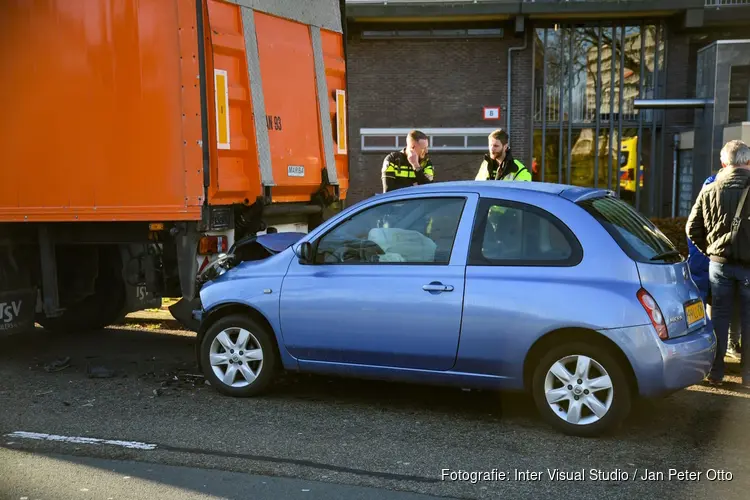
(664, 255)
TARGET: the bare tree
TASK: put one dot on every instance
(582, 59)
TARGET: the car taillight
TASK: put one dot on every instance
(654, 313)
(212, 245)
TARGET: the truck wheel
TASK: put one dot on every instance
(581, 389)
(96, 311)
(238, 356)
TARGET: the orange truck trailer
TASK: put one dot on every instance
(141, 139)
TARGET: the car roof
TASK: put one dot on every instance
(490, 188)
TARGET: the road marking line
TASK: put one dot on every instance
(81, 440)
(224, 454)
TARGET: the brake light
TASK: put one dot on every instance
(654, 313)
(209, 245)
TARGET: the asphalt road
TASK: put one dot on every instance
(63, 477)
(167, 430)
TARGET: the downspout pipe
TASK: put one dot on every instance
(675, 167)
(510, 76)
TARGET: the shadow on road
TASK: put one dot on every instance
(63, 477)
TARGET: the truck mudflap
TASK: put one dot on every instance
(17, 309)
(182, 311)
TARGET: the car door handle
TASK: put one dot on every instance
(436, 286)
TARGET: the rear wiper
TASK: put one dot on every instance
(668, 253)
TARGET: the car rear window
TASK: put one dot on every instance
(636, 235)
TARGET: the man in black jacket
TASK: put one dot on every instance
(719, 227)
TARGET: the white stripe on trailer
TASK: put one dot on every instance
(39, 436)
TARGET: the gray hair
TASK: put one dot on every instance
(735, 153)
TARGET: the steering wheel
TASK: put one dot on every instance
(365, 253)
(343, 254)
(369, 251)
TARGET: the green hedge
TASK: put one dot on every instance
(674, 229)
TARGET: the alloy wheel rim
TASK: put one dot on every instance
(236, 357)
(578, 390)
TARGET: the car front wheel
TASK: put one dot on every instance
(238, 356)
(581, 389)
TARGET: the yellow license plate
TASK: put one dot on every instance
(695, 313)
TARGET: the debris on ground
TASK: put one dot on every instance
(175, 378)
(182, 381)
(99, 372)
(57, 365)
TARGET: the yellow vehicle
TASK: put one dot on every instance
(628, 162)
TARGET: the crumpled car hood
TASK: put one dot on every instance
(278, 242)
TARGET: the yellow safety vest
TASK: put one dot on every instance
(522, 174)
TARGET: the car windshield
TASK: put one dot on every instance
(635, 234)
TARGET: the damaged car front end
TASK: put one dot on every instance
(251, 248)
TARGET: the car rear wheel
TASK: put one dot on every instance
(581, 389)
(238, 356)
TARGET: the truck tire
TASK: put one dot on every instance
(99, 310)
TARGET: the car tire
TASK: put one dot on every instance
(616, 399)
(222, 339)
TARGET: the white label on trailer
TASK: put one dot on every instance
(295, 170)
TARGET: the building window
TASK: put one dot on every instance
(448, 141)
(580, 68)
(379, 142)
(588, 131)
(432, 33)
(440, 139)
(726, 3)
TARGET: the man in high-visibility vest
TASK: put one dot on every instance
(499, 163)
(410, 166)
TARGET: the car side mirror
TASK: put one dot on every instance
(304, 253)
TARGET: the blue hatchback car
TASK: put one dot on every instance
(565, 292)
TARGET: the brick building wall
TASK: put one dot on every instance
(403, 83)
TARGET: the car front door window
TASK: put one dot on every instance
(415, 231)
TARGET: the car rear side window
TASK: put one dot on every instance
(509, 233)
(639, 238)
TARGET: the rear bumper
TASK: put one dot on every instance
(663, 367)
